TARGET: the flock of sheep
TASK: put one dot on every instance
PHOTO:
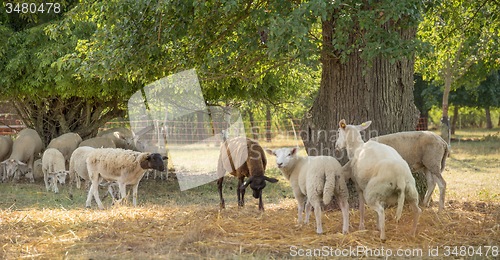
(380, 168)
(112, 158)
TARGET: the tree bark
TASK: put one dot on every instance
(455, 119)
(445, 121)
(268, 123)
(357, 91)
(489, 123)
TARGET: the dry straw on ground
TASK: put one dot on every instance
(206, 232)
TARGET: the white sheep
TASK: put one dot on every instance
(315, 178)
(122, 138)
(53, 168)
(126, 167)
(25, 147)
(422, 150)
(98, 142)
(381, 176)
(5, 150)
(66, 144)
(78, 166)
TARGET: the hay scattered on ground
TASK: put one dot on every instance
(205, 231)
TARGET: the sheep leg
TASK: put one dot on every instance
(308, 211)
(381, 219)
(123, 191)
(240, 192)
(416, 216)
(344, 207)
(261, 204)
(431, 184)
(54, 183)
(442, 189)
(134, 194)
(361, 200)
(300, 206)
(219, 186)
(46, 180)
(317, 213)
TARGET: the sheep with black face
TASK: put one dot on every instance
(243, 157)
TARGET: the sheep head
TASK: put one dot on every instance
(153, 161)
(285, 157)
(344, 132)
(257, 183)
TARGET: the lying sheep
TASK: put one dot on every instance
(381, 176)
(317, 178)
(53, 168)
(126, 167)
(25, 147)
(243, 157)
(98, 142)
(78, 166)
(66, 144)
(122, 138)
(422, 150)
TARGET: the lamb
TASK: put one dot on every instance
(78, 165)
(123, 138)
(25, 147)
(98, 142)
(66, 144)
(317, 178)
(126, 167)
(381, 176)
(53, 169)
(422, 150)
(243, 157)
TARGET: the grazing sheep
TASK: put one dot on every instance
(123, 138)
(98, 142)
(25, 147)
(5, 147)
(53, 169)
(422, 150)
(37, 170)
(243, 157)
(66, 144)
(317, 178)
(126, 167)
(78, 166)
(381, 176)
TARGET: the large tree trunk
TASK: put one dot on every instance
(445, 121)
(489, 123)
(382, 93)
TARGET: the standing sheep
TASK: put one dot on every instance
(25, 147)
(5, 151)
(53, 169)
(422, 150)
(78, 166)
(317, 178)
(243, 157)
(126, 167)
(66, 144)
(381, 176)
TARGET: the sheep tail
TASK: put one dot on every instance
(329, 188)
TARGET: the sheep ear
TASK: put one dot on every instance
(164, 157)
(293, 151)
(364, 125)
(270, 152)
(246, 183)
(272, 180)
(342, 124)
